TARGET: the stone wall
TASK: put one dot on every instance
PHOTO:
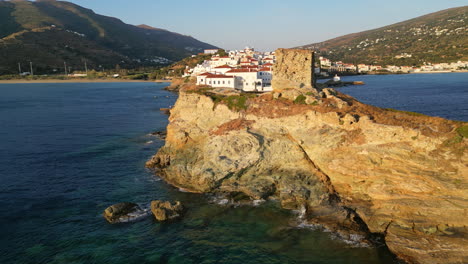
(293, 69)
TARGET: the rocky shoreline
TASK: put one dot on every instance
(382, 176)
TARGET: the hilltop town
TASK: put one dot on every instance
(247, 70)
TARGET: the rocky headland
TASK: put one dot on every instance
(353, 168)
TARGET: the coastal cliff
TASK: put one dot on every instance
(356, 169)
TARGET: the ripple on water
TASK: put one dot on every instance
(84, 150)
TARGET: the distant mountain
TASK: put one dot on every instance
(436, 37)
(49, 33)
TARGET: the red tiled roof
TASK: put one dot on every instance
(268, 59)
(223, 67)
(205, 74)
(265, 69)
(242, 70)
(267, 64)
(219, 76)
(249, 66)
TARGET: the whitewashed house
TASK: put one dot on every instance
(225, 60)
(220, 80)
(202, 68)
(363, 68)
(324, 62)
(222, 69)
(201, 78)
(266, 75)
(211, 51)
(246, 79)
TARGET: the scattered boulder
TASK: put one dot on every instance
(166, 111)
(123, 212)
(159, 134)
(159, 161)
(164, 210)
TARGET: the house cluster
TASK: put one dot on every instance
(327, 66)
(246, 70)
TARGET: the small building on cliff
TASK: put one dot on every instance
(247, 79)
(221, 81)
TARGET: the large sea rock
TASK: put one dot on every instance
(165, 210)
(349, 166)
(124, 212)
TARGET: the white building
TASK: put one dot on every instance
(363, 68)
(225, 60)
(202, 68)
(201, 79)
(221, 69)
(218, 80)
(427, 68)
(211, 51)
(246, 79)
(392, 68)
(247, 70)
(266, 75)
(324, 62)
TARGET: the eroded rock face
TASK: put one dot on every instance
(350, 166)
(164, 210)
(123, 212)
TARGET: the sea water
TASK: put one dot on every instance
(68, 151)
(435, 94)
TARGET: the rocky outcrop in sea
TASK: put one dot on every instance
(355, 169)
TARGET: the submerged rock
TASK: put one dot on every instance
(164, 210)
(159, 134)
(124, 212)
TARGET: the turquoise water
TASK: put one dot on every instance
(68, 151)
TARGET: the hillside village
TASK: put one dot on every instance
(434, 38)
(327, 66)
(247, 70)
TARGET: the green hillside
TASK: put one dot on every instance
(436, 37)
(49, 33)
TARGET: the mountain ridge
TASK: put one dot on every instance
(79, 34)
(436, 37)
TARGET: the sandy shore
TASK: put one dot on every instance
(80, 81)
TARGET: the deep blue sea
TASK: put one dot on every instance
(435, 94)
(68, 151)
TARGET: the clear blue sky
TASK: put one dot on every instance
(266, 24)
